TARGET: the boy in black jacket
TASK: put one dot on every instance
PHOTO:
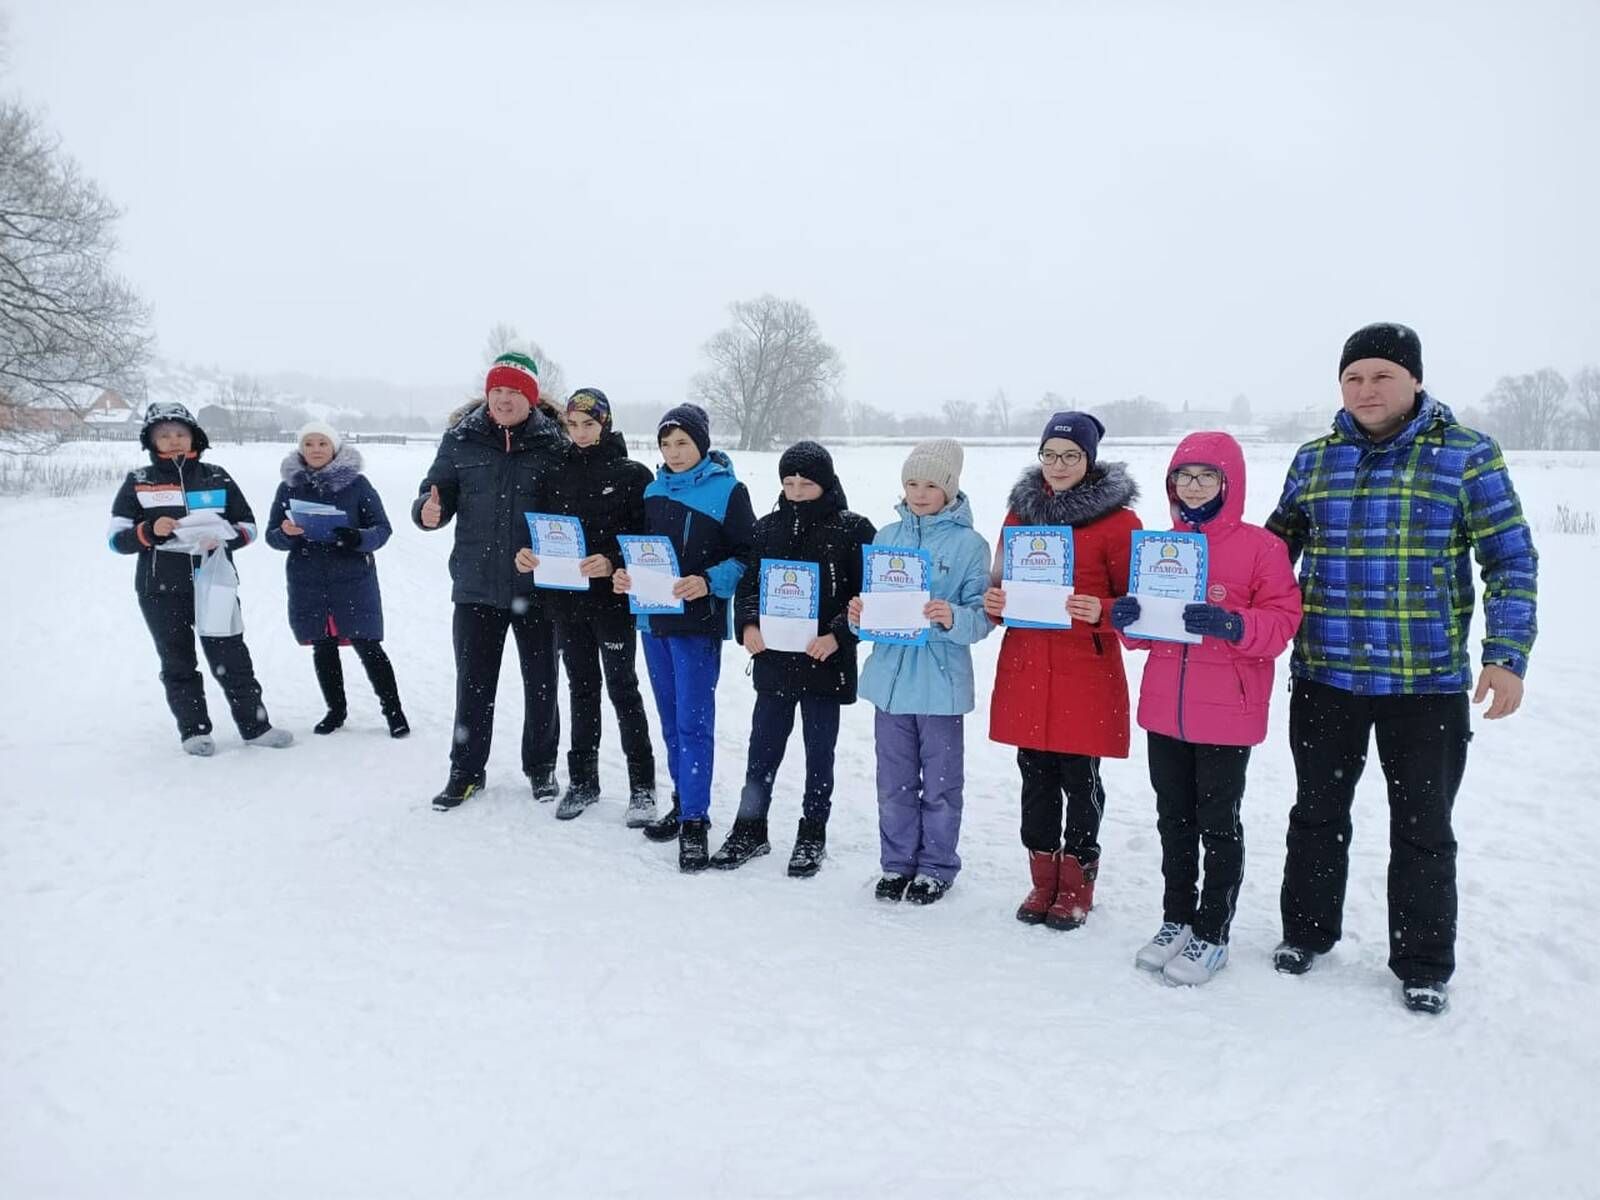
(599, 484)
(811, 523)
(144, 518)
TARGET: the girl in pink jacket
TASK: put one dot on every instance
(1204, 705)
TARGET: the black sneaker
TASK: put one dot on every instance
(1289, 959)
(891, 887)
(398, 725)
(579, 796)
(925, 889)
(692, 846)
(810, 848)
(457, 790)
(1426, 996)
(666, 829)
(746, 840)
(332, 721)
(545, 787)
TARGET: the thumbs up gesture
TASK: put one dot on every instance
(432, 512)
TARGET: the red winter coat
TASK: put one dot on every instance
(1216, 693)
(1064, 689)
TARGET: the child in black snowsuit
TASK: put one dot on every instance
(810, 523)
(144, 520)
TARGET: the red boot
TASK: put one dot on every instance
(1045, 867)
(1075, 896)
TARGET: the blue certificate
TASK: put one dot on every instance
(559, 544)
(1036, 574)
(1167, 572)
(653, 567)
(317, 519)
(790, 602)
(896, 585)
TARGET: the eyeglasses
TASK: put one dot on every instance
(1067, 458)
(1195, 478)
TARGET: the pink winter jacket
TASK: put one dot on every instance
(1216, 693)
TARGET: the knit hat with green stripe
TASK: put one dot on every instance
(514, 370)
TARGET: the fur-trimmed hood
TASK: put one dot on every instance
(339, 474)
(1106, 488)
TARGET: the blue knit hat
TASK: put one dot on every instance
(1079, 427)
(693, 420)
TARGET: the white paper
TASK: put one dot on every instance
(893, 611)
(1162, 617)
(556, 571)
(793, 634)
(1027, 600)
(651, 586)
(198, 530)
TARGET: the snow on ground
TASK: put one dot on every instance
(281, 974)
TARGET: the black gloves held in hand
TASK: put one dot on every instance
(348, 539)
(1213, 621)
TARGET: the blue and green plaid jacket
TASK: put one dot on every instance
(1383, 532)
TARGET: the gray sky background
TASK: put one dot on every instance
(1185, 200)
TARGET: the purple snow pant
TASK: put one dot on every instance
(920, 777)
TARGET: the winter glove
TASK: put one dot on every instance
(1212, 621)
(348, 539)
(1124, 612)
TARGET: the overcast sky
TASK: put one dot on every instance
(1184, 200)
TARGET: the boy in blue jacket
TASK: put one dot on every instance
(698, 504)
(922, 692)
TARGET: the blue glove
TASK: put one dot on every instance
(348, 539)
(1124, 611)
(1213, 621)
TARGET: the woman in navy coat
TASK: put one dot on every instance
(333, 582)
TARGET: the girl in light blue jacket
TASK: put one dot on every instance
(921, 692)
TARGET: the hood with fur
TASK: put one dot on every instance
(1106, 488)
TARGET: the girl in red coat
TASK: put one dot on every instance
(1205, 705)
(1060, 695)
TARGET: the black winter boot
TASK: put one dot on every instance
(545, 787)
(810, 848)
(583, 788)
(747, 840)
(398, 725)
(692, 841)
(457, 790)
(666, 829)
(380, 673)
(330, 678)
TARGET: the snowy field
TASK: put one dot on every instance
(281, 974)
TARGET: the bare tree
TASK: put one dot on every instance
(1239, 410)
(1586, 408)
(245, 412)
(503, 339)
(1138, 416)
(1529, 410)
(999, 412)
(771, 373)
(69, 327)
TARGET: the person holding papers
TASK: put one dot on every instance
(1060, 695)
(328, 518)
(699, 514)
(789, 613)
(923, 608)
(1204, 698)
(597, 483)
(170, 514)
(491, 468)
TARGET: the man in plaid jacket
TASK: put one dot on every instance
(1384, 514)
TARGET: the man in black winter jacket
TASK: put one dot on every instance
(491, 469)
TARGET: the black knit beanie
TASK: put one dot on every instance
(810, 461)
(1398, 344)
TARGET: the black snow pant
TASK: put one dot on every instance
(588, 648)
(1046, 777)
(330, 673)
(479, 633)
(770, 726)
(1422, 745)
(171, 621)
(1198, 792)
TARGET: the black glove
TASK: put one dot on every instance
(348, 539)
(1124, 612)
(1213, 621)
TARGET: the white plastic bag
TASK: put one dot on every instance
(216, 597)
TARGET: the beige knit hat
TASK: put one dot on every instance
(937, 460)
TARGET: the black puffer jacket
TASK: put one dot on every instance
(604, 489)
(827, 533)
(487, 477)
(173, 487)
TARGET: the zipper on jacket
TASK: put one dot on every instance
(1098, 648)
(1183, 671)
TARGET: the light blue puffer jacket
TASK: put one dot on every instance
(935, 679)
